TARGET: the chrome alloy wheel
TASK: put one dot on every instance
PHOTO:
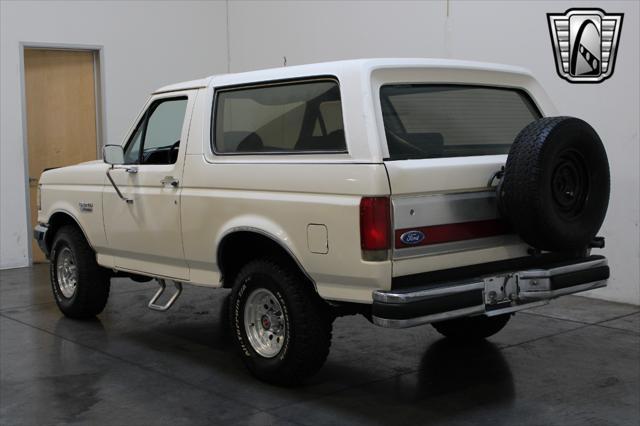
(67, 272)
(264, 322)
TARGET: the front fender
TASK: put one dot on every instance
(63, 200)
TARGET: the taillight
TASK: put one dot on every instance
(375, 224)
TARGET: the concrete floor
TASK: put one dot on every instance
(573, 362)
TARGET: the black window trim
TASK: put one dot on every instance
(522, 92)
(270, 83)
(144, 121)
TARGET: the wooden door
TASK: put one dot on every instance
(61, 114)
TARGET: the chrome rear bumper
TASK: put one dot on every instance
(491, 295)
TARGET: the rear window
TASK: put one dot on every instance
(293, 117)
(433, 121)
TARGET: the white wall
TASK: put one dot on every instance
(141, 56)
(146, 45)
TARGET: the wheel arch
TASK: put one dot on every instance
(244, 243)
(57, 220)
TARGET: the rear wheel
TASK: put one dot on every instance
(280, 325)
(80, 286)
(472, 328)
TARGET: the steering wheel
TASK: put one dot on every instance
(176, 145)
(407, 147)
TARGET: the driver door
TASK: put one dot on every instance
(144, 235)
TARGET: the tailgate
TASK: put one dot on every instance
(445, 215)
(445, 142)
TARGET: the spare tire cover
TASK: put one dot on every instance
(555, 187)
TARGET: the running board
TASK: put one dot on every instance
(163, 285)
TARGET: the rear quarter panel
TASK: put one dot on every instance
(281, 200)
(280, 195)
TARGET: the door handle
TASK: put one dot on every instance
(170, 180)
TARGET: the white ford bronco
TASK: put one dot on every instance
(410, 191)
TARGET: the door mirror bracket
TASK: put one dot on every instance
(122, 197)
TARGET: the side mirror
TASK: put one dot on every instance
(113, 154)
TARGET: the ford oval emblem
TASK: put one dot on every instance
(412, 237)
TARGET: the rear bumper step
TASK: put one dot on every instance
(489, 295)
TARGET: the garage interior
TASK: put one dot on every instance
(575, 361)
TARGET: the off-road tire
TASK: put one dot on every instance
(307, 319)
(93, 282)
(555, 188)
(472, 328)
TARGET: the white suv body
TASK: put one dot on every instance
(189, 217)
(175, 233)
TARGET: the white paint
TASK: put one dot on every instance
(149, 44)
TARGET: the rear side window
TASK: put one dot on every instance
(433, 121)
(298, 117)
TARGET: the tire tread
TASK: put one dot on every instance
(313, 323)
(93, 288)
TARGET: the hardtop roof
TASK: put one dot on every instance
(339, 68)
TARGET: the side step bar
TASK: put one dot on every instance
(163, 286)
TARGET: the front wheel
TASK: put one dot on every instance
(472, 328)
(280, 325)
(80, 286)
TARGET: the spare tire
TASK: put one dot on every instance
(555, 187)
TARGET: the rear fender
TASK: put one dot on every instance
(264, 227)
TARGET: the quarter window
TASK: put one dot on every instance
(279, 118)
(132, 151)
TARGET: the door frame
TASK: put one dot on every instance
(99, 91)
